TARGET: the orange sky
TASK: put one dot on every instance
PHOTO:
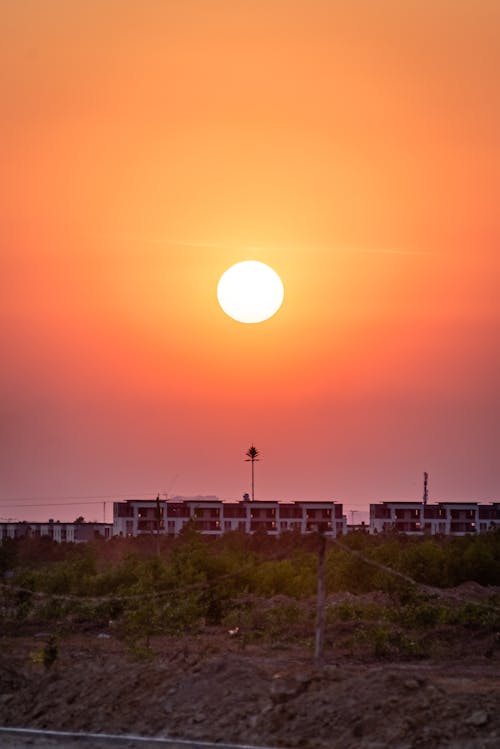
(146, 146)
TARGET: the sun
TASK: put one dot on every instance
(250, 291)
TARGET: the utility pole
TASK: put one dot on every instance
(158, 518)
(320, 599)
(252, 456)
(424, 502)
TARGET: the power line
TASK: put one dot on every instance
(66, 496)
(53, 504)
(44, 501)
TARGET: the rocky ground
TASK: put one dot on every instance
(215, 687)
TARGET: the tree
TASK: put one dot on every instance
(80, 519)
(252, 455)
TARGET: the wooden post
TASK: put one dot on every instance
(158, 520)
(320, 602)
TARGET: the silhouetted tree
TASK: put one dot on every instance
(252, 455)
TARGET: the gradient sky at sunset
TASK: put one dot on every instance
(146, 146)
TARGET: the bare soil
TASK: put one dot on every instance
(214, 687)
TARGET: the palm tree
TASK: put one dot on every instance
(252, 455)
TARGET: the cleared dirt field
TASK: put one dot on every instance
(215, 687)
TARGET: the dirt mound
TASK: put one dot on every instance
(208, 688)
(377, 597)
(470, 591)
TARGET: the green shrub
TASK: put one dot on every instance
(354, 611)
(47, 654)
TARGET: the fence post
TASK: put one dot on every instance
(320, 601)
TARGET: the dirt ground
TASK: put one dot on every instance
(199, 690)
(212, 687)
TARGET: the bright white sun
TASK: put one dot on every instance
(250, 291)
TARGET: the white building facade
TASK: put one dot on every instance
(57, 531)
(213, 517)
(446, 518)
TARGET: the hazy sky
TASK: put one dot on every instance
(146, 146)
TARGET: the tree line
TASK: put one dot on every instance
(259, 586)
(258, 564)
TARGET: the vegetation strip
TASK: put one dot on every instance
(385, 568)
(255, 588)
(130, 597)
(205, 585)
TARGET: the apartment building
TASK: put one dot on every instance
(213, 517)
(447, 518)
(57, 531)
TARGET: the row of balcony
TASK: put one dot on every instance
(152, 526)
(226, 511)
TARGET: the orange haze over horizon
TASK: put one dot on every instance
(146, 147)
